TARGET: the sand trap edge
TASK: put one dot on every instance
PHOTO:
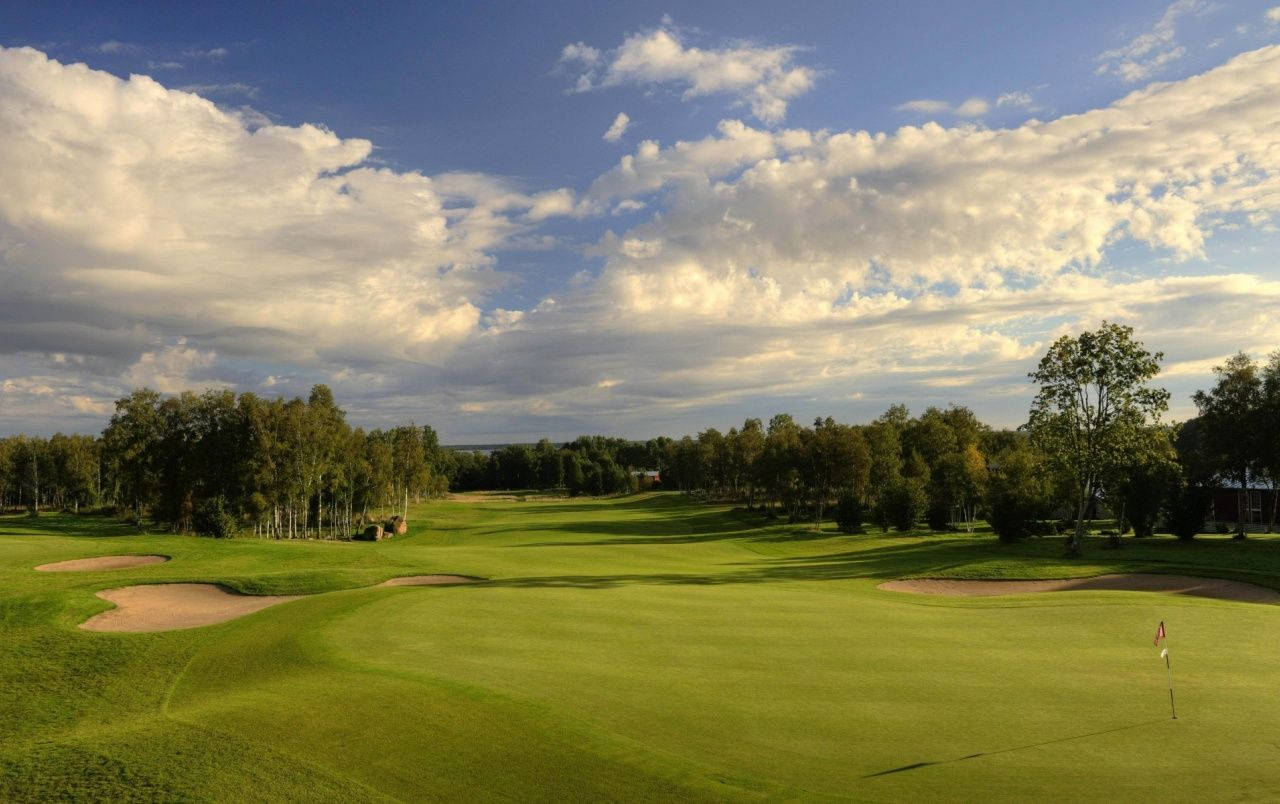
(103, 563)
(153, 607)
(148, 608)
(1196, 586)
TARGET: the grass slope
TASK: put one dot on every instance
(639, 648)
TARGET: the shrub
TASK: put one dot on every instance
(849, 513)
(1186, 510)
(213, 519)
(1050, 527)
(938, 515)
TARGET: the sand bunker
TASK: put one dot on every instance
(169, 606)
(101, 563)
(430, 580)
(1136, 582)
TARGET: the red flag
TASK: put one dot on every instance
(1159, 633)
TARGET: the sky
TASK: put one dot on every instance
(517, 220)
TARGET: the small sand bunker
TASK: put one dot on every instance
(169, 606)
(1136, 582)
(430, 580)
(101, 563)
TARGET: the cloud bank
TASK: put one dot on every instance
(148, 236)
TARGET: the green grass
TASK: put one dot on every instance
(637, 648)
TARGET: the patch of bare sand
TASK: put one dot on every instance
(1218, 588)
(170, 606)
(101, 563)
(430, 580)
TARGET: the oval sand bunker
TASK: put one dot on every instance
(1137, 582)
(169, 606)
(430, 580)
(101, 563)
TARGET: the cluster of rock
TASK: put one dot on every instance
(395, 526)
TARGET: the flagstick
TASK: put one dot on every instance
(1169, 667)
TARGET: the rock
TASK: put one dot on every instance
(396, 526)
(371, 534)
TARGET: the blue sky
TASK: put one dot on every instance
(418, 205)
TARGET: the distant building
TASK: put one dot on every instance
(648, 479)
(1258, 509)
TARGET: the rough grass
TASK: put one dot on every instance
(638, 648)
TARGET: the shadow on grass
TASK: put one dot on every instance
(60, 524)
(917, 765)
(909, 556)
(874, 562)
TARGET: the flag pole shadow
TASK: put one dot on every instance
(915, 765)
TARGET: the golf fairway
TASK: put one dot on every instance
(640, 648)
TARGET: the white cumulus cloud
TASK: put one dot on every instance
(930, 262)
(148, 235)
(134, 217)
(796, 215)
(763, 77)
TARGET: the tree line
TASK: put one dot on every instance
(1094, 436)
(218, 462)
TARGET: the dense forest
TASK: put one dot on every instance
(220, 463)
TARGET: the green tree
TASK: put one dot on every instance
(835, 458)
(8, 475)
(849, 512)
(780, 461)
(1188, 504)
(902, 504)
(1269, 432)
(1139, 485)
(1231, 413)
(1093, 401)
(884, 450)
(131, 440)
(548, 468)
(748, 447)
(574, 478)
(1019, 493)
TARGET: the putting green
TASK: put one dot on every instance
(639, 648)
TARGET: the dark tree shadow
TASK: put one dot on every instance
(888, 561)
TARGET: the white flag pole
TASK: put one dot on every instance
(1169, 667)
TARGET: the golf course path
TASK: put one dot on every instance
(1219, 588)
(101, 563)
(430, 580)
(169, 606)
